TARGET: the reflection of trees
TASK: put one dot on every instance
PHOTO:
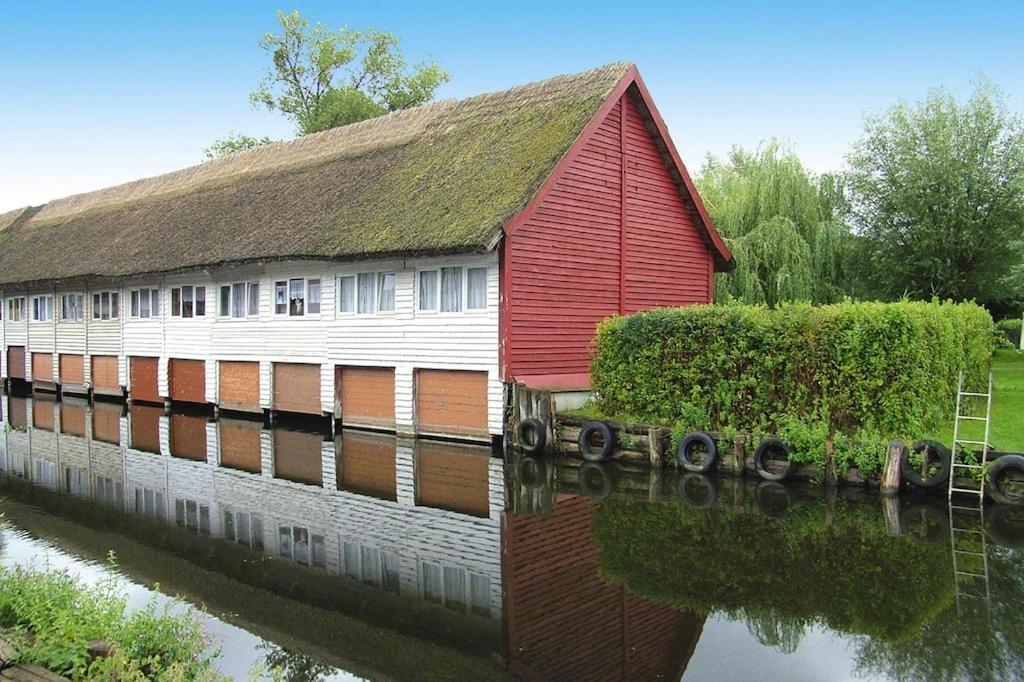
(974, 645)
(771, 630)
(292, 666)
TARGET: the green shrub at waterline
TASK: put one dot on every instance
(860, 370)
(49, 618)
(1011, 329)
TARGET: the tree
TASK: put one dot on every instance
(322, 78)
(234, 142)
(938, 190)
(786, 226)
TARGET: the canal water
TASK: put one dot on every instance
(363, 556)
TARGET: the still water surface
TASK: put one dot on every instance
(366, 556)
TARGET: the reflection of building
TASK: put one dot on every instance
(418, 519)
(565, 622)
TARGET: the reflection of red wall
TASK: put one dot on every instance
(564, 622)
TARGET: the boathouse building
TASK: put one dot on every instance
(396, 273)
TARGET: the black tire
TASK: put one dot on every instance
(707, 485)
(925, 521)
(698, 438)
(596, 480)
(776, 445)
(937, 450)
(995, 488)
(531, 436)
(588, 430)
(765, 495)
(533, 472)
(1005, 525)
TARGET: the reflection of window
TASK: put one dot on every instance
(245, 528)
(192, 515)
(46, 474)
(296, 543)
(456, 588)
(76, 481)
(188, 302)
(149, 503)
(371, 565)
(109, 492)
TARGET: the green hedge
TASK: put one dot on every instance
(867, 371)
(1011, 328)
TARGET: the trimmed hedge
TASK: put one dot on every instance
(861, 371)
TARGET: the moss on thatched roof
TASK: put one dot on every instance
(440, 178)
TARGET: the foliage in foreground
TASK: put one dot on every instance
(855, 373)
(51, 616)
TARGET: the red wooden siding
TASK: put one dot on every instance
(611, 235)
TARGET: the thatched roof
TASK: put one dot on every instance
(439, 178)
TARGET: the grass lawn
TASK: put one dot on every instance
(1007, 428)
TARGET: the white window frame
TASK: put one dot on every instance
(247, 300)
(137, 295)
(113, 305)
(377, 281)
(63, 316)
(464, 298)
(177, 311)
(36, 300)
(16, 309)
(305, 297)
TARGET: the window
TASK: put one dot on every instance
(145, 303)
(42, 308)
(386, 292)
(365, 293)
(299, 545)
(297, 297)
(347, 294)
(456, 588)
(16, 309)
(452, 289)
(72, 307)
(192, 515)
(253, 307)
(188, 301)
(105, 305)
(245, 528)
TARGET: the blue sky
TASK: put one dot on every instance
(97, 93)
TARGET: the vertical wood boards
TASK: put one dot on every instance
(144, 379)
(297, 456)
(72, 368)
(72, 418)
(366, 464)
(42, 367)
(240, 444)
(365, 395)
(188, 437)
(297, 387)
(239, 385)
(452, 402)
(105, 372)
(43, 414)
(452, 477)
(145, 427)
(187, 380)
(106, 422)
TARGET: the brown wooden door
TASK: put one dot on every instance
(106, 422)
(188, 380)
(18, 418)
(297, 456)
(240, 445)
(452, 477)
(72, 369)
(239, 385)
(366, 395)
(42, 367)
(297, 388)
(104, 372)
(42, 413)
(188, 437)
(16, 362)
(72, 418)
(144, 380)
(452, 402)
(366, 463)
(145, 431)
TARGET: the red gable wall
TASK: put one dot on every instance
(612, 235)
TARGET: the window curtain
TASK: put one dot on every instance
(451, 290)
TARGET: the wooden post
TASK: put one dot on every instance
(891, 510)
(890, 483)
(656, 442)
(739, 454)
(831, 476)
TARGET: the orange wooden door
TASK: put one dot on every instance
(239, 385)
(188, 437)
(452, 477)
(297, 456)
(42, 367)
(106, 422)
(18, 418)
(188, 380)
(42, 413)
(240, 444)
(366, 395)
(144, 380)
(145, 431)
(366, 463)
(104, 372)
(451, 402)
(297, 388)
(72, 418)
(16, 362)
(72, 369)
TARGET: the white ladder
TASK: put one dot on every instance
(959, 444)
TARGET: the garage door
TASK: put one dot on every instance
(452, 477)
(366, 395)
(239, 386)
(240, 444)
(366, 463)
(42, 414)
(188, 380)
(72, 369)
(188, 437)
(297, 456)
(145, 431)
(104, 372)
(144, 380)
(297, 388)
(16, 362)
(452, 402)
(72, 418)
(106, 421)
(18, 418)
(42, 367)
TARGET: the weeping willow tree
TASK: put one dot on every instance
(786, 227)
